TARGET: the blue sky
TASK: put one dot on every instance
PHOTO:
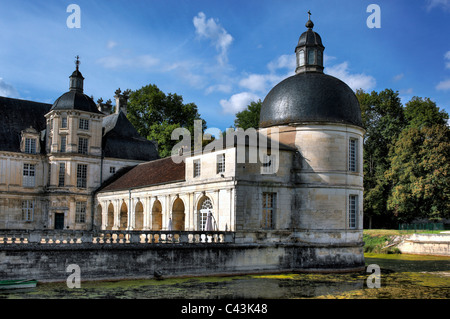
(220, 55)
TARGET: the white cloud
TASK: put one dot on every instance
(354, 81)
(444, 4)
(398, 77)
(225, 88)
(447, 58)
(7, 90)
(260, 82)
(407, 91)
(111, 44)
(443, 85)
(141, 61)
(213, 31)
(286, 61)
(327, 58)
(238, 102)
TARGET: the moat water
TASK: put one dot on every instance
(402, 277)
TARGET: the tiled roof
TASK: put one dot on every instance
(162, 171)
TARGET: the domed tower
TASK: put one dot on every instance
(320, 116)
(74, 151)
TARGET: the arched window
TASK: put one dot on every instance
(205, 208)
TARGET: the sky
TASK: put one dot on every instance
(220, 55)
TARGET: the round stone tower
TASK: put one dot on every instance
(320, 116)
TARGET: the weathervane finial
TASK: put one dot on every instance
(309, 14)
(77, 62)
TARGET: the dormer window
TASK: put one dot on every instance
(84, 124)
(30, 145)
(30, 141)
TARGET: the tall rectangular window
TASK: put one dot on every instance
(220, 163)
(197, 168)
(80, 212)
(64, 122)
(82, 145)
(27, 210)
(353, 155)
(81, 175)
(62, 174)
(30, 145)
(352, 210)
(29, 172)
(268, 213)
(63, 144)
(83, 124)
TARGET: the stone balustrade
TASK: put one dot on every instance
(114, 237)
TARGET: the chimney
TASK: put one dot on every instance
(105, 108)
(121, 101)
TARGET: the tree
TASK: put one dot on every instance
(421, 112)
(383, 119)
(155, 115)
(420, 173)
(249, 118)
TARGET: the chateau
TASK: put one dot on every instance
(54, 157)
(71, 165)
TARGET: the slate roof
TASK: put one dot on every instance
(162, 171)
(16, 116)
(310, 97)
(121, 140)
(74, 100)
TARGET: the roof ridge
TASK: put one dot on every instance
(17, 99)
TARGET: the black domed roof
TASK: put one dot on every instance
(310, 97)
(310, 37)
(74, 100)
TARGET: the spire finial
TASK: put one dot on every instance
(309, 24)
(77, 62)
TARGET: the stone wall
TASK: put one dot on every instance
(48, 262)
(426, 244)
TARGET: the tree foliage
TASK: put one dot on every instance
(419, 173)
(155, 115)
(406, 158)
(249, 118)
(383, 119)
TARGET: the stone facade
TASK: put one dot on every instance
(54, 157)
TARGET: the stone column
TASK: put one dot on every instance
(116, 204)
(131, 209)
